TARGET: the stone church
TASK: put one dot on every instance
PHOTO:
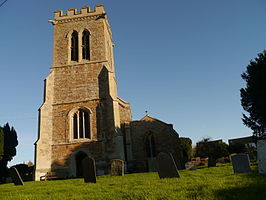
(82, 115)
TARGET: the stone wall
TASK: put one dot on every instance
(63, 159)
(124, 110)
(165, 140)
(64, 25)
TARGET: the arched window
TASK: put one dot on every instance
(75, 126)
(74, 46)
(150, 146)
(86, 45)
(81, 124)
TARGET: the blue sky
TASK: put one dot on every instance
(179, 59)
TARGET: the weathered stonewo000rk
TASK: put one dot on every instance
(240, 163)
(117, 167)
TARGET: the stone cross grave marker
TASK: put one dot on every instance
(88, 170)
(166, 166)
(261, 149)
(240, 163)
(117, 167)
(15, 176)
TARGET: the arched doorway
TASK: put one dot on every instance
(79, 157)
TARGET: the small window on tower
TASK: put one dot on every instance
(74, 46)
(86, 45)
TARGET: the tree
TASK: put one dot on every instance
(253, 97)
(211, 149)
(186, 145)
(10, 143)
(1, 143)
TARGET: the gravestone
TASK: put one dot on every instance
(240, 163)
(211, 162)
(117, 167)
(261, 150)
(166, 166)
(88, 170)
(190, 166)
(15, 176)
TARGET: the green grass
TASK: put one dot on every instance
(217, 183)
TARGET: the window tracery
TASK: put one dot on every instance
(81, 124)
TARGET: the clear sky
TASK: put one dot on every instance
(179, 59)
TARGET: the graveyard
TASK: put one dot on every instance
(220, 183)
(90, 144)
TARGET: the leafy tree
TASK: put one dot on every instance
(10, 143)
(186, 145)
(211, 149)
(253, 97)
(1, 143)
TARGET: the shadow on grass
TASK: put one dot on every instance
(254, 189)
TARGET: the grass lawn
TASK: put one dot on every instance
(216, 183)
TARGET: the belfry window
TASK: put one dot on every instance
(81, 124)
(86, 45)
(74, 46)
(150, 146)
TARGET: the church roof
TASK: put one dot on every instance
(149, 118)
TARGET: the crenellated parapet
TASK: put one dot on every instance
(73, 13)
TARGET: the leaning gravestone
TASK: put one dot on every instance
(88, 170)
(15, 176)
(240, 163)
(117, 167)
(261, 150)
(166, 166)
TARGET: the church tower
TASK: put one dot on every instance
(81, 113)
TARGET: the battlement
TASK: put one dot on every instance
(74, 13)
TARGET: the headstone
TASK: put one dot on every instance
(196, 160)
(117, 167)
(261, 151)
(204, 161)
(190, 166)
(211, 162)
(240, 163)
(15, 176)
(88, 169)
(166, 166)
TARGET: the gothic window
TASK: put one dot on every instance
(75, 126)
(150, 146)
(74, 46)
(86, 45)
(81, 124)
